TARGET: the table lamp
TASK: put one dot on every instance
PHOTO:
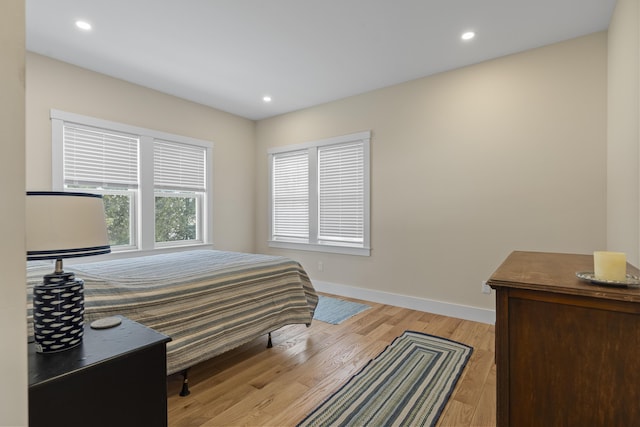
(62, 225)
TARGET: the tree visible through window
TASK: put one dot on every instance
(117, 210)
(176, 218)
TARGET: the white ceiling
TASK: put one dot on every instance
(228, 54)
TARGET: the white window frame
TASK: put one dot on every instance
(313, 244)
(144, 226)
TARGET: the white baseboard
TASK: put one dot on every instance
(430, 306)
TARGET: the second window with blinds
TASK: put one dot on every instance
(154, 184)
(319, 195)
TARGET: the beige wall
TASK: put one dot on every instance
(57, 85)
(13, 322)
(467, 166)
(623, 179)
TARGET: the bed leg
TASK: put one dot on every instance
(269, 343)
(185, 384)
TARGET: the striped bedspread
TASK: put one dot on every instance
(207, 301)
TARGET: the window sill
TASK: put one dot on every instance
(138, 252)
(344, 250)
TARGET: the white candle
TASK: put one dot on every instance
(610, 266)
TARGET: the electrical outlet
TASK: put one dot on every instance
(486, 289)
(320, 266)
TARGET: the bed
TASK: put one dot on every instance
(207, 301)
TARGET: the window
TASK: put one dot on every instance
(319, 195)
(179, 188)
(154, 184)
(104, 162)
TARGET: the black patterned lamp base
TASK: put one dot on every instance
(58, 313)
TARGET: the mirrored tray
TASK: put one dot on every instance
(589, 276)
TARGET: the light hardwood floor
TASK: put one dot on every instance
(256, 386)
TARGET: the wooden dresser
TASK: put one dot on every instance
(567, 351)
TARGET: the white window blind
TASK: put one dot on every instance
(341, 193)
(179, 166)
(99, 158)
(291, 196)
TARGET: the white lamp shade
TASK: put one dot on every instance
(65, 225)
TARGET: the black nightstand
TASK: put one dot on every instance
(116, 377)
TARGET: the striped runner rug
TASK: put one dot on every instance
(408, 384)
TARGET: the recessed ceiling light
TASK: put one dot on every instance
(468, 35)
(83, 25)
(266, 98)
